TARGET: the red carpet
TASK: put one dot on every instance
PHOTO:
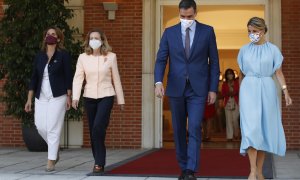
(213, 163)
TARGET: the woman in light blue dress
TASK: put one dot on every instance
(260, 112)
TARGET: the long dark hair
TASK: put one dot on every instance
(229, 71)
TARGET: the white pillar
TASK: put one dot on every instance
(150, 124)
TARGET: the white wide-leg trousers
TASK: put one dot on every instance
(49, 118)
(232, 122)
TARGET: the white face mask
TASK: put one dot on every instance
(186, 23)
(95, 43)
(254, 37)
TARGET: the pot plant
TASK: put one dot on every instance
(21, 34)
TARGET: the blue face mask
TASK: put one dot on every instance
(254, 37)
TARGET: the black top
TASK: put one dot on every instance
(60, 73)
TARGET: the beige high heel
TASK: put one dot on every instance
(50, 166)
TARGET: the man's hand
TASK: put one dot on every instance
(211, 97)
(159, 90)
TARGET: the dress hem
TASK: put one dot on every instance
(244, 151)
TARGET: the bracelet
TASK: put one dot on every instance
(283, 87)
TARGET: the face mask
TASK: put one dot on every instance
(254, 37)
(95, 44)
(186, 23)
(50, 40)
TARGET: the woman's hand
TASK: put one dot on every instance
(28, 106)
(69, 102)
(122, 106)
(29, 101)
(288, 99)
(281, 80)
(75, 104)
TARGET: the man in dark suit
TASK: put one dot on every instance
(192, 80)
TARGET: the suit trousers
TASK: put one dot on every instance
(98, 113)
(192, 107)
(49, 119)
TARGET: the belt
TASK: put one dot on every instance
(258, 76)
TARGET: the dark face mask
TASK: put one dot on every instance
(50, 40)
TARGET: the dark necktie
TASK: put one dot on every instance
(187, 43)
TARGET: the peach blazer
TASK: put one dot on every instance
(99, 73)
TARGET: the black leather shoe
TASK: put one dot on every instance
(189, 175)
(98, 169)
(182, 175)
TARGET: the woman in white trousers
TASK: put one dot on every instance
(51, 82)
(49, 117)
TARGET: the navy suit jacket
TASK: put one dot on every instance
(60, 73)
(202, 67)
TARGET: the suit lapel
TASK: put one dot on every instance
(196, 37)
(179, 37)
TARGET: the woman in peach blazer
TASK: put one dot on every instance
(98, 67)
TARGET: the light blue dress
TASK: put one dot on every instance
(260, 113)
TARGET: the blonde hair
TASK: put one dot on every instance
(104, 48)
(60, 36)
(258, 23)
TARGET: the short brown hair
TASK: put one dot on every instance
(60, 36)
(104, 49)
(258, 23)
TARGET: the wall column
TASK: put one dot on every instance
(150, 125)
